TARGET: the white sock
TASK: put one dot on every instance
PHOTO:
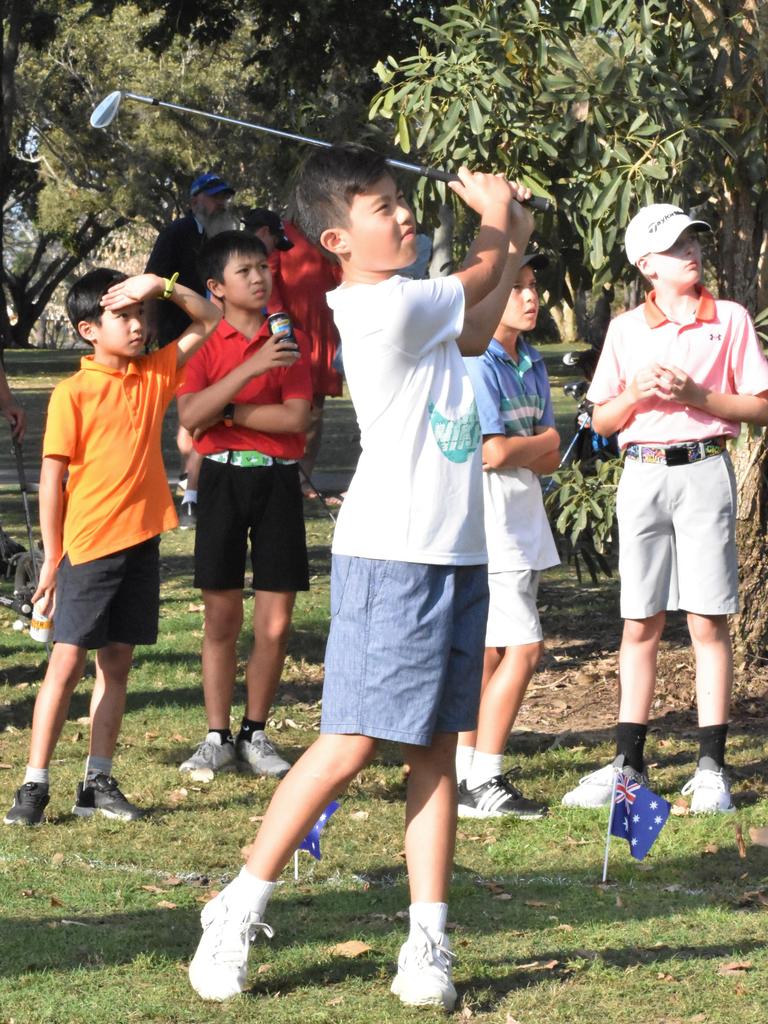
(484, 768)
(464, 756)
(252, 891)
(39, 775)
(215, 737)
(432, 916)
(97, 766)
(190, 497)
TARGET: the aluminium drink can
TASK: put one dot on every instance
(280, 323)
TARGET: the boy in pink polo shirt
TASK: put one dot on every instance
(677, 377)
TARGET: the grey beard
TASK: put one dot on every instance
(215, 223)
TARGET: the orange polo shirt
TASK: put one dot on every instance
(107, 424)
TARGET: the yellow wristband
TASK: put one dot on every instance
(169, 285)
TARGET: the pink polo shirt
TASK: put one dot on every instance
(718, 349)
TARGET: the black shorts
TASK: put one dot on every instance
(263, 503)
(114, 599)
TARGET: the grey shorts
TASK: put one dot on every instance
(677, 538)
(405, 651)
(513, 618)
(114, 599)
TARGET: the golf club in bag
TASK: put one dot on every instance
(105, 113)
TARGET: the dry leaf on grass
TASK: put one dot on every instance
(56, 902)
(360, 815)
(536, 903)
(741, 846)
(245, 851)
(502, 896)
(196, 608)
(711, 849)
(206, 897)
(57, 858)
(152, 888)
(466, 1013)
(350, 949)
(759, 836)
(538, 965)
(735, 967)
(178, 738)
(6, 766)
(151, 735)
(177, 795)
(680, 807)
(263, 968)
(256, 817)
(166, 905)
(335, 1002)
(201, 775)
(173, 880)
(665, 977)
(564, 928)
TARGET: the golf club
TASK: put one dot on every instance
(105, 112)
(24, 488)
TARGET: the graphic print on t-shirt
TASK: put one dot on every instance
(459, 438)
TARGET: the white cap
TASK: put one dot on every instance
(656, 228)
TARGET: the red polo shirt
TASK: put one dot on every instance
(225, 350)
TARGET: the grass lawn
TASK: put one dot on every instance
(99, 918)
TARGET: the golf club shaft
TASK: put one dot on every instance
(22, 475)
(435, 173)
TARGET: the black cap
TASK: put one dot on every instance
(534, 260)
(261, 217)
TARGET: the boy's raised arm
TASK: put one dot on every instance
(203, 314)
(488, 274)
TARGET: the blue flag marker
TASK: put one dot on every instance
(637, 815)
(311, 842)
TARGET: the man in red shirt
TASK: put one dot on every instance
(246, 401)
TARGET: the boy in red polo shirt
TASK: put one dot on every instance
(246, 401)
(676, 378)
(104, 501)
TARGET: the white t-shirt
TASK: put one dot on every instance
(416, 495)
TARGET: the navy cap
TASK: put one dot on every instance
(261, 217)
(534, 260)
(210, 185)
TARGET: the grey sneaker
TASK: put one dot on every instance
(212, 754)
(29, 803)
(594, 790)
(260, 757)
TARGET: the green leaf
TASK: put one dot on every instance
(403, 137)
(476, 119)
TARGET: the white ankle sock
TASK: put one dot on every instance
(190, 497)
(484, 768)
(432, 916)
(39, 775)
(464, 756)
(252, 891)
(97, 766)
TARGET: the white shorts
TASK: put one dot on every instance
(513, 618)
(677, 538)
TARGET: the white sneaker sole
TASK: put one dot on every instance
(186, 769)
(245, 768)
(474, 812)
(197, 980)
(88, 812)
(586, 804)
(413, 997)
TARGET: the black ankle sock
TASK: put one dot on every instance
(630, 741)
(226, 734)
(712, 743)
(248, 727)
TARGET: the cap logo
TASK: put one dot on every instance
(655, 225)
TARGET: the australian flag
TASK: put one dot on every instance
(311, 842)
(638, 815)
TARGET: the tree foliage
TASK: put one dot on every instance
(603, 105)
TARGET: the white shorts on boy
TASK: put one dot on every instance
(513, 618)
(677, 539)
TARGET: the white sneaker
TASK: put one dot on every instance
(219, 968)
(260, 757)
(711, 792)
(424, 973)
(219, 757)
(595, 790)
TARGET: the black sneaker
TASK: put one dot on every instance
(29, 802)
(497, 798)
(102, 795)
(188, 515)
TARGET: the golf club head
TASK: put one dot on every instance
(571, 358)
(105, 113)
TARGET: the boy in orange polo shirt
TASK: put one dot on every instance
(246, 399)
(101, 530)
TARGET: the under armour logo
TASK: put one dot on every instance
(715, 337)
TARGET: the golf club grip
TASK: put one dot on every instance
(19, 456)
(537, 203)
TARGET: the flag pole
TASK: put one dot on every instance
(610, 825)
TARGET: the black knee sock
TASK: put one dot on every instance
(248, 727)
(630, 741)
(712, 743)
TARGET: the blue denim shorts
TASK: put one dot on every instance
(405, 650)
